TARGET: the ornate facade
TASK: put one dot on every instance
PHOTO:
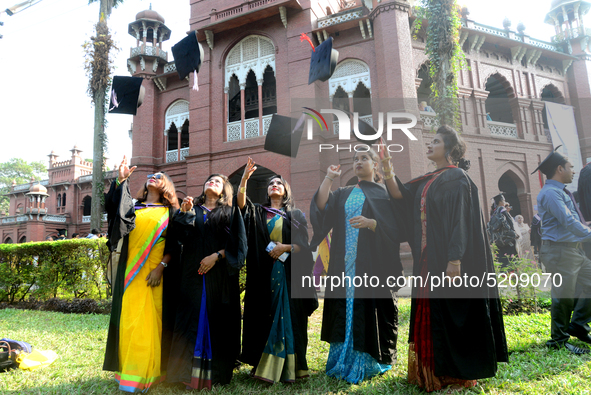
(255, 66)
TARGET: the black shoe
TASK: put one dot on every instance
(570, 347)
(586, 338)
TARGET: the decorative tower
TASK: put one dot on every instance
(150, 31)
(37, 195)
(567, 18)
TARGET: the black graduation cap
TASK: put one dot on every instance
(188, 55)
(127, 94)
(551, 162)
(284, 135)
(323, 62)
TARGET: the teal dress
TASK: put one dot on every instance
(343, 361)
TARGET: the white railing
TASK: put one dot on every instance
(251, 128)
(366, 118)
(429, 119)
(8, 220)
(172, 155)
(21, 218)
(86, 178)
(170, 67)
(502, 129)
(54, 218)
(86, 218)
(340, 18)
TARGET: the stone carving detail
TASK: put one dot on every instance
(172, 156)
(266, 123)
(131, 66)
(339, 18)
(254, 53)
(209, 38)
(169, 67)
(502, 129)
(429, 119)
(234, 131)
(178, 114)
(251, 128)
(283, 15)
(348, 75)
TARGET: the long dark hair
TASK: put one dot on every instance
(377, 177)
(219, 215)
(287, 200)
(167, 192)
(455, 147)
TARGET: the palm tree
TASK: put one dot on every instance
(98, 85)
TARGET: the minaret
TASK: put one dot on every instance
(571, 33)
(147, 57)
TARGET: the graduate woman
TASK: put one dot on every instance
(206, 340)
(134, 350)
(456, 334)
(275, 333)
(360, 323)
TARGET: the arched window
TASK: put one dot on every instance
(499, 113)
(59, 200)
(497, 103)
(351, 80)
(176, 130)
(250, 88)
(64, 200)
(23, 239)
(552, 94)
(87, 204)
(8, 240)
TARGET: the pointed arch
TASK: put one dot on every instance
(348, 75)
(497, 104)
(254, 52)
(177, 114)
(551, 93)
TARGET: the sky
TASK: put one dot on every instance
(43, 101)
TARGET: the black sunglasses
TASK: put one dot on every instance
(156, 176)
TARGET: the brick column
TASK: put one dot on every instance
(480, 111)
(393, 49)
(537, 107)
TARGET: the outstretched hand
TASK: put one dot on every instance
(333, 171)
(249, 169)
(124, 170)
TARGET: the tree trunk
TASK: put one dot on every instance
(96, 208)
(97, 160)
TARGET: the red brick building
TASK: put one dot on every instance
(255, 65)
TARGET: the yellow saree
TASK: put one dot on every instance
(140, 334)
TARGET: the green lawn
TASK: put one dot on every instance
(80, 341)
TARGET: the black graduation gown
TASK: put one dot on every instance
(199, 240)
(375, 310)
(258, 317)
(467, 330)
(504, 252)
(120, 209)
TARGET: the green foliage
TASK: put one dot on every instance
(20, 171)
(446, 57)
(57, 268)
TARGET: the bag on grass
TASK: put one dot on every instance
(8, 357)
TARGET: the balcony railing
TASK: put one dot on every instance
(149, 51)
(429, 119)
(571, 33)
(366, 118)
(55, 218)
(173, 155)
(340, 17)
(502, 129)
(251, 128)
(86, 219)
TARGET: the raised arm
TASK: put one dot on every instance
(248, 170)
(389, 180)
(323, 192)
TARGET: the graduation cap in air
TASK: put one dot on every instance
(188, 56)
(127, 94)
(323, 62)
(284, 135)
(551, 162)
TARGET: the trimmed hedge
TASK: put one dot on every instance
(42, 270)
(50, 269)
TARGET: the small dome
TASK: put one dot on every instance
(149, 14)
(38, 188)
